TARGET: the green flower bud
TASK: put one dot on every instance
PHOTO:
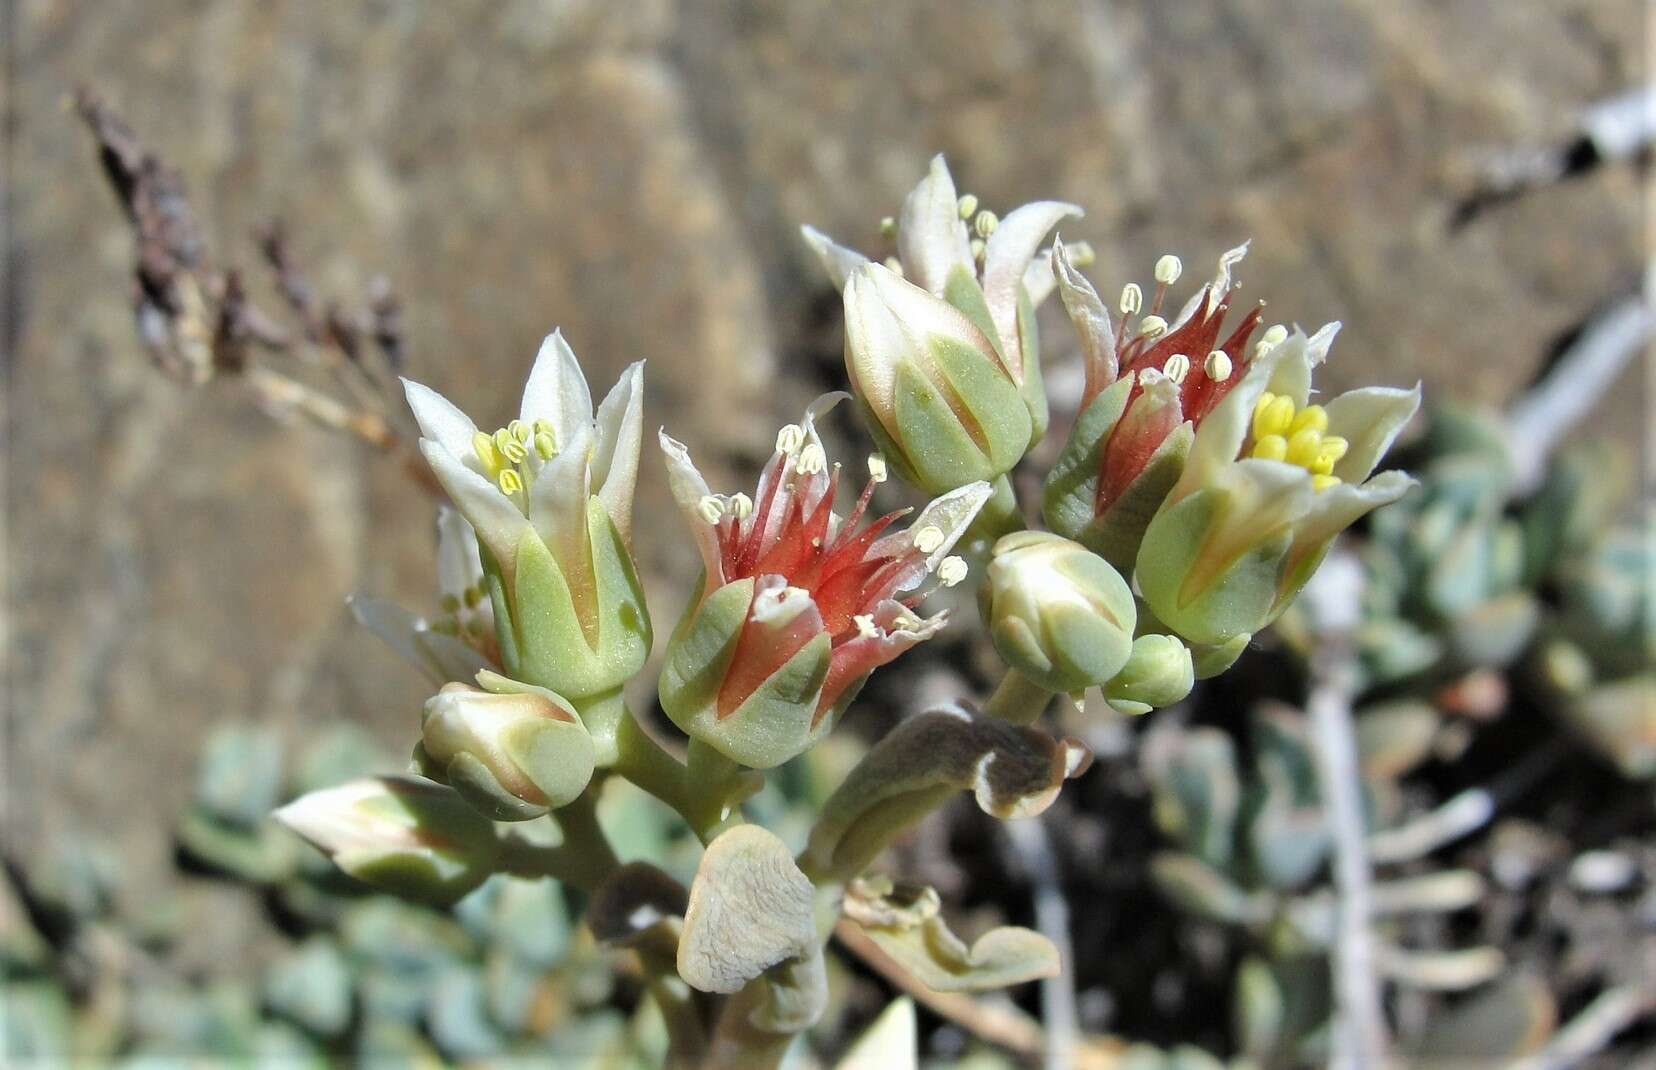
(933, 388)
(514, 751)
(1159, 672)
(1058, 613)
(401, 834)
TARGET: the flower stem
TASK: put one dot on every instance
(999, 516)
(1018, 699)
(582, 860)
(715, 785)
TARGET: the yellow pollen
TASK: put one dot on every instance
(510, 482)
(1271, 448)
(1322, 482)
(951, 570)
(543, 424)
(1304, 447)
(1217, 366)
(710, 508)
(545, 446)
(1312, 417)
(483, 446)
(1272, 415)
(928, 538)
(790, 438)
(509, 447)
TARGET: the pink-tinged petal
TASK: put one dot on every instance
(1092, 324)
(837, 260)
(620, 438)
(780, 620)
(441, 421)
(556, 390)
(1369, 420)
(1150, 417)
(1006, 256)
(688, 489)
(498, 522)
(895, 630)
(931, 236)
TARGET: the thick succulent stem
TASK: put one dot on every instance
(715, 785)
(1018, 699)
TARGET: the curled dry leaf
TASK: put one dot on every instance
(749, 911)
(1014, 771)
(637, 902)
(905, 922)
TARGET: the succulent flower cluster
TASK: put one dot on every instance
(1198, 492)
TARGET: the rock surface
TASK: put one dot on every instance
(636, 173)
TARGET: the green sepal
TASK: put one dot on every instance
(1159, 672)
(777, 721)
(1034, 378)
(937, 451)
(1242, 594)
(553, 648)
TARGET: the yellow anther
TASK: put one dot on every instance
(1312, 417)
(968, 205)
(1320, 482)
(509, 447)
(545, 445)
(1132, 299)
(1333, 448)
(928, 539)
(1177, 367)
(739, 505)
(1081, 254)
(472, 595)
(510, 482)
(450, 603)
(888, 227)
(543, 424)
(483, 446)
(985, 223)
(951, 570)
(866, 626)
(1168, 269)
(1271, 448)
(1273, 414)
(1152, 326)
(1304, 447)
(520, 431)
(1322, 466)
(812, 459)
(977, 248)
(710, 508)
(790, 438)
(1217, 366)
(877, 468)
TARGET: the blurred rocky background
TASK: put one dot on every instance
(636, 173)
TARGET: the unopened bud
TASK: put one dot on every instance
(1159, 672)
(514, 754)
(1058, 613)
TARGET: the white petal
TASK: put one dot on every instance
(1090, 318)
(557, 501)
(1263, 497)
(1038, 279)
(1338, 507)
(498, 522)
(620, 438)
(951, 514)
(440, 420)
(458, 563)
(1220, 435)
(453, 658)
(1369, 419)
(931, 236)
(688, 489)
(396, 627)
(1006, 256)
(556, 390)
(1291, 364)
(837, 260)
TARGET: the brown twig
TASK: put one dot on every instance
(1002, 1025)
(199, 321)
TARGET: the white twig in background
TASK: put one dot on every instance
(1052, 919)
(1333, 597)
(1593, 1029)
(1538, 421)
